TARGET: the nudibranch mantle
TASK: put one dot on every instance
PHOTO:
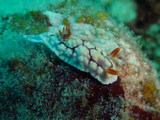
(83, 46)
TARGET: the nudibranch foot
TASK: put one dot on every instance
(33, 38)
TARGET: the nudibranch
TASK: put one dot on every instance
(83, 46)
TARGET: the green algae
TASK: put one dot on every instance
(149, 92)
(32, 22)
(66, 22)
(86, 19)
